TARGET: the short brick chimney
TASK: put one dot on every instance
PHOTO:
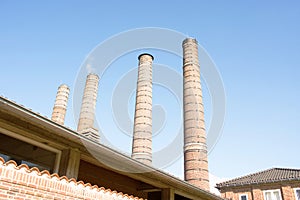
(60, 105)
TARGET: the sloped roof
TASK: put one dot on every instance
(266, 176)
(110, 156)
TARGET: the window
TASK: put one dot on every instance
(243, 197)
(33, 154)
(272, 195)
(297, 193)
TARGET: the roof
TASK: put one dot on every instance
(266, 176)
(77, 187)
(108, 155)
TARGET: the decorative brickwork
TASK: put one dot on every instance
(20, 182)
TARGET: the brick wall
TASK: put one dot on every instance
(22, 183)
(256, 192)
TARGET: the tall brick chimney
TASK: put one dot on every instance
(88, 106)
(142, 133)
(195, 149)
(60, 105)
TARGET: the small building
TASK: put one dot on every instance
(271, 184)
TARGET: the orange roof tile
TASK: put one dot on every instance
(34, 170)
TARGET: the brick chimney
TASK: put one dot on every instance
(88, 106)
(60, 105)
(142, 133)
(195, 149)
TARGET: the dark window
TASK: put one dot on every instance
(243, 197)
(297, 193)
(24, 153)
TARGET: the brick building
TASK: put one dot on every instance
(40, 158)
(271, 184)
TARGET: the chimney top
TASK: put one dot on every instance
(146, 54)
(189, 40)
(93, 74)
(64, 86)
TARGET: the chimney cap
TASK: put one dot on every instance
(186, 40)
(64, 85)
(92, 74)
(146, 54)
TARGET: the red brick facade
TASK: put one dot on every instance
(256, 192)
(22, 183)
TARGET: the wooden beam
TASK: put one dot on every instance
(167, 194)
(70, 161)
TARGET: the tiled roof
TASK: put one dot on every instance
(266, 176)
(11, 171)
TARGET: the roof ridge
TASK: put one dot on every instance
(33, 112)
(273, 174)
(282, 168)
(243, 176)
(46, 173)
(23, 106)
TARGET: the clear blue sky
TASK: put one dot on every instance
(255, 45)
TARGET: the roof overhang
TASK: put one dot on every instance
(68, 137)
